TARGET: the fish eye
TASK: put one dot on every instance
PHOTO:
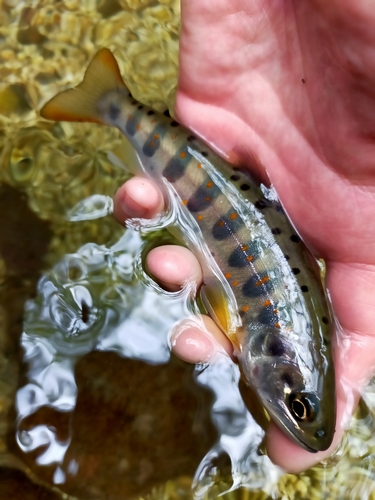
(303, 407)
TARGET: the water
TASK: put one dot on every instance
(92, 404)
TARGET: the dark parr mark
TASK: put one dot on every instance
(167, 113)
(257, 285)
(153, 142)
(304, 288)
(295, 270)
(204, 153)
(241, 256)
(245, 187)
(267, 316)
(114, 112)
(226, 227)
(325, 320)
(203, 196)
(276, 230)
(174, 124)
(131, 125)
(140, 106)
(175, 168)
(295, 238)
(150, 112)
(275, 347)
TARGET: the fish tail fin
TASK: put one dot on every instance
(80, 103)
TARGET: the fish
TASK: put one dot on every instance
(261, 284)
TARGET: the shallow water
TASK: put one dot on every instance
(92, 405)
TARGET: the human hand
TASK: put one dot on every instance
(294, 83)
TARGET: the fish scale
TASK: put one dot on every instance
(281, 335)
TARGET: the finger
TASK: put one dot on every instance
(173, 266)
(138, 197)
(198, 340)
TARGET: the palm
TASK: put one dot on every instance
(241, 68)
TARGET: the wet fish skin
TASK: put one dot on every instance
(282, 323)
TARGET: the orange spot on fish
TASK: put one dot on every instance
(267, 303)
(208, 198)
(244, 248)
(152, 144)
(249, 258)
(221, 223)
(138, 127)
(245, 308)
(233, 216)
(235, 283)
(277, 325)
(130, 117)
(199, 165)
(275, 311)
(200, 217)
(156, 137)
(184, 202)
(263, 280)
(209, 184)
(228, 275)
(183, 154)
(174, 136)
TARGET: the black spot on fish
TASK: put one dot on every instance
(286, 256)
(245, 187)
(133, 103)
(150, 112)
(261, 204)
(174, 170)
(204, 153)
(257, 285)
(279, 208)
(295, 238)
(325, 320)
(129, 95)
(167, 113)
(114, 112)
(267, 316)
(174, 124)
(140, 106)
(295, 270)
(304, 288)
(276, 230)
(191, 138)
(235, 177)
(226, 227)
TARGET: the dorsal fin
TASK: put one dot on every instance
(80, 104)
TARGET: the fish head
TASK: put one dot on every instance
(295, 384)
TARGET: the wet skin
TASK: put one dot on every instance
(295, 83)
